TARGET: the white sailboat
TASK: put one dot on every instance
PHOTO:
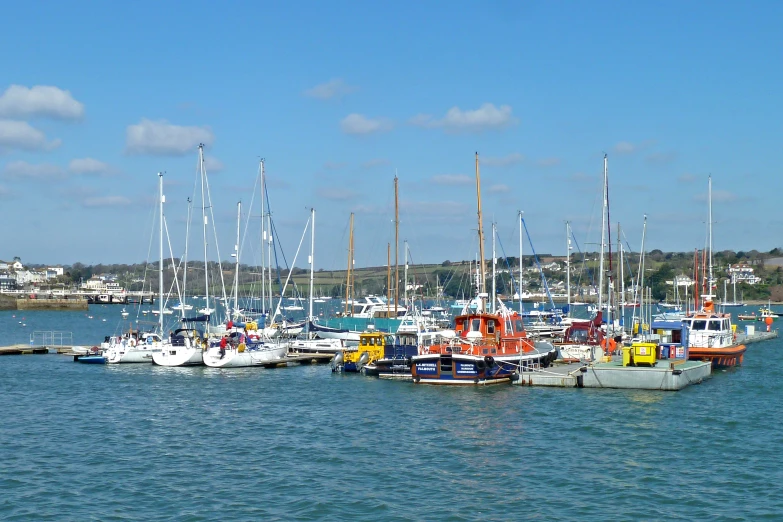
(184, 347)
(134, 347)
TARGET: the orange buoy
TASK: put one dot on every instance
(769, 320)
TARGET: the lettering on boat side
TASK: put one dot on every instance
(430, 368)
(466, 368)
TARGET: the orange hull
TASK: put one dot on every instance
(720, 357)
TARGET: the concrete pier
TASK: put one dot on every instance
(665, 375)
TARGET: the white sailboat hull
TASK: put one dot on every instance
(178, 356)
(136, 354)
(233, 358)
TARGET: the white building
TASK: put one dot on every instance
(102, 285)
(24, 277)
(742, 273)
(53, 272)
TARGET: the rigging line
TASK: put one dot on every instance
(511, 273)
(538, 263)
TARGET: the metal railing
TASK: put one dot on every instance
(51, 338)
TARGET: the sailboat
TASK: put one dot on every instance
(138, 347)
(726, 302)
(710, 333)
(239, 350)
(489, 344)
(185, 345)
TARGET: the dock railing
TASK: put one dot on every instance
(51, 338)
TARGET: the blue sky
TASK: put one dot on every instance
(96, 98)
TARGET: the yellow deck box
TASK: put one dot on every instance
(643, 354)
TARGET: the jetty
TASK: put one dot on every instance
(664, 376)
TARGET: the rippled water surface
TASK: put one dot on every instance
(137, 442)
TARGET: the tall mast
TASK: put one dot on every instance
(312, 266)
(709, 198)
(160, 267)
(520, 263)
(204, 220)
(568, 265)
(622, 278)
(388, 280)
(396, 246)
(185, 273)
(494, 284)
(269, 247)
(236, 270)
(482, 270)
(603, 240)
(350, 267)
(405, 277)
(263, 241)
(639, 293)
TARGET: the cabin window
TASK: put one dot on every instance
(476, 326)
(491, 327)
(726, 325)
(518, 326)
(364, 341)
(463, 325)
(714, 325)
(699, 325)
(578, 336)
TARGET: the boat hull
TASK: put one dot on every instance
(128, 355)
(719, 357)
(178, 356)
(467, 370)
(233, 358)
(92, 359)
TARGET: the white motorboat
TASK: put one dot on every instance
(133, 348)
(244, 355)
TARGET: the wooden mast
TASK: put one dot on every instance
(396, 246)
(482, 270)
(349, 272)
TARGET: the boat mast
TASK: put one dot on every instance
(312, 268)
(396, 246)
(494, 284)
(350, 267)
(568, 266)
(709, 198)
(204, 219)
(405, 276)
(388, 280)
(622, 279)
(236, 270)
(269, 247)
(603, 241)
(639, 292)
(185, 273)
(520, 263)
(264, 309)
(162, 199)
(482, 271)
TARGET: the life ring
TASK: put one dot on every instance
(132, 342)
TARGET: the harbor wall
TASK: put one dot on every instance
(50, 304)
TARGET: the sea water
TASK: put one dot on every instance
(139, 442)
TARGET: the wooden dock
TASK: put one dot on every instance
(23, 349)
(756, 337)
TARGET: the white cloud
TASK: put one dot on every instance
(5, 192)
(548, 162)
(334, 88)
(503, 161)
(453, 179)
(377, 162)
(434, 208)
(334, 165)
(40, 100)
(212, 164)
(498, 189)
(90, 166)
(20, 135)
(625, 147)
(484, 118)
(335, 194)
(661, 158)
(687, 178)
(359, 124)
(106, 201)
(719, 196)
(161, 138)
(21, 170)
